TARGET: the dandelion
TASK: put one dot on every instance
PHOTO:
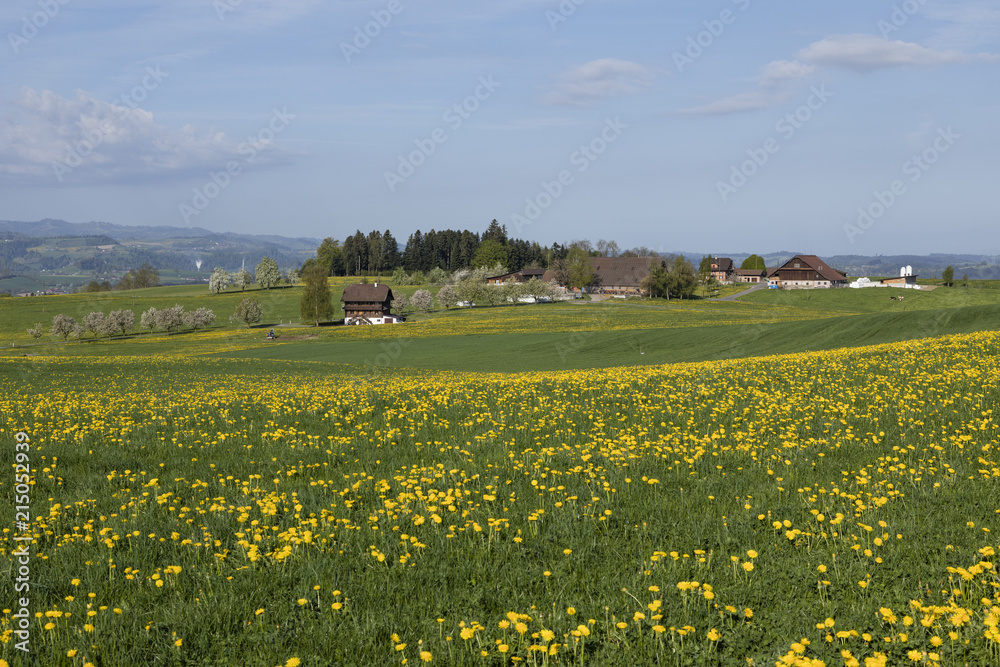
(426, 656)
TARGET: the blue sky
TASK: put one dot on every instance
(727, 126)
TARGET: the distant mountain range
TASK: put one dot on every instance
(50, 228)
(49, 249)
(56, 252)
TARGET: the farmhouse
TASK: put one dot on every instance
(806, 272)
(522, 276)
(723, 269)
(368, 304)
(751, 275)
(615, 276)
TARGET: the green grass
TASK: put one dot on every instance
(599, 491)
(524, 352)
(877, 299)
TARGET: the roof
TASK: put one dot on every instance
(750, 272)
(529, 273)
(723, 264)
(367, 293)
(621, 271)
(818, 265)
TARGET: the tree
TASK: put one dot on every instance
(655, 284)
(330, 255)
(422, 300)
(170, 318)
(141, 278)
(965, 280)
(292, 276)
(219, 280)
(202, 317)
(446, 297)
(437, 276)
(490, 253)
(119, 320)
(94, 322)
(62, 325)
(248, 311)
(496, 232)
(267, 273)
(470, 290)
(148, 320)
(400, 277)
(579, 267)
(36, 331)
(316, 303)
(754, 263)
(948, 275)
(607, 248)
(78, 331)
(242, 278)
(681, 279)
(400, 303)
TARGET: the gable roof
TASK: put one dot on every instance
(818, 265)
(723, 264)
(367, 293)
(621, 271)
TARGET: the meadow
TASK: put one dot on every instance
(198, 500)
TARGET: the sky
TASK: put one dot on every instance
(856, 127)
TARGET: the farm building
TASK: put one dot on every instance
(751, 275)
(906, 279)
(806, 272)
(723, 269)
(616, 276)
(368, 304)
(522, 276)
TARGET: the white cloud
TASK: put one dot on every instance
(866, 53)
(858, 52)
(597, 80)
(969, 23)
(101, 142)
(774, 86)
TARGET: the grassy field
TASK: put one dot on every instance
(534, 485)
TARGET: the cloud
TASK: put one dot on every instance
(867, 53)
(969, 23)
(775, 85)
(596, 81)
(44, 135)
(857, 52)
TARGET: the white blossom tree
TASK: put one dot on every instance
(422, 300)
(62, 326)
(36, 331)
(446, 297)
(267, 273)
(94, 323)
(169, 318)
(196, 319)
(148, 320)
(248, 311)
(219, 280)
(119, 320)
(242, 278)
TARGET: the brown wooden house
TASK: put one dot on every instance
(806, 272)
(368, 304)
(723, 269)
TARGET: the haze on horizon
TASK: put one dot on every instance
(854, 128)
